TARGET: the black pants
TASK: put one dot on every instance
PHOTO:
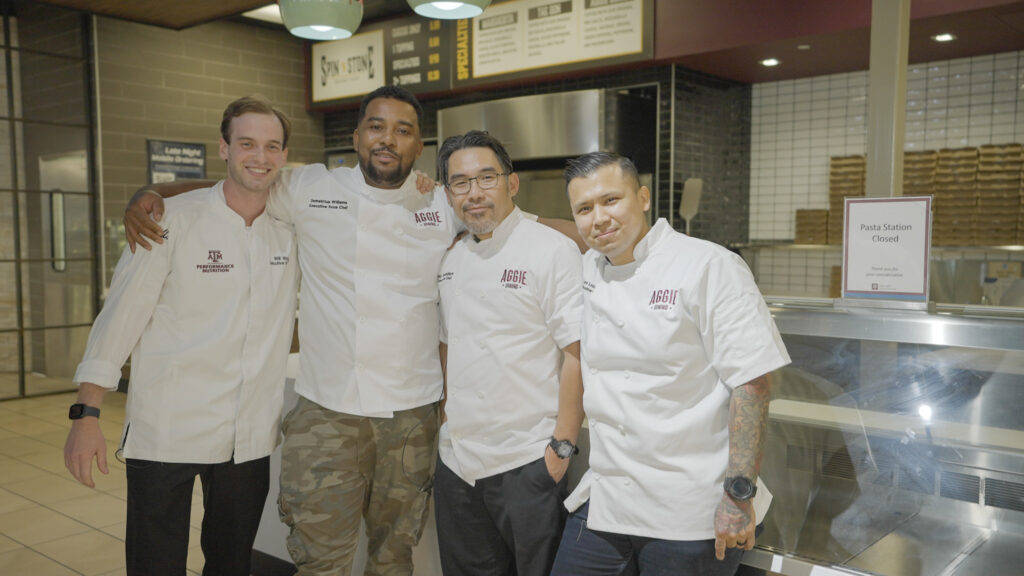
(160, 503)
(508, 524)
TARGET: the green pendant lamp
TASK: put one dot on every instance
(449, 10)
(322, 19)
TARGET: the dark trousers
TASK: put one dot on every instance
(508, 524)
(160, 504)
(596, 553)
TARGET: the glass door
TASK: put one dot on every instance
(48, 273)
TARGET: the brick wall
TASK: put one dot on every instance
(174, 85)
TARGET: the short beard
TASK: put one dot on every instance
(378, 179)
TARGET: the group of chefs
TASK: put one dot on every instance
(450, 343)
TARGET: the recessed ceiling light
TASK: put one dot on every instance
(804, 47)
(944, 37)
(770, 62)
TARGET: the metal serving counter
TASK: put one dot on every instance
(895, 444)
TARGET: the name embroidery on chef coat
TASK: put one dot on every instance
(278, 260)
(445, 276)
(427, 218)
(214, 258)
(663, 299)
(513, 279)
(328, 204)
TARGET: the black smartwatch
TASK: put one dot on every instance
(740, 488)
(563, 448)
(79, 411)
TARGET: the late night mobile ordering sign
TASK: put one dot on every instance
(886, 245)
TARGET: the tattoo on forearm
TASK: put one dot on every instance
(748, 425)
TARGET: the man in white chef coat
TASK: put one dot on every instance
(510, 313)
(362, 440)
(207, 318)
(676, 348)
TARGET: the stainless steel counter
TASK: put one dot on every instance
(895, 444)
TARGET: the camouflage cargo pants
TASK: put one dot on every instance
(337, 469)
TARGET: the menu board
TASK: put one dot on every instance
(516, 39)
(418, 52)
(348, 68)
(526, 35)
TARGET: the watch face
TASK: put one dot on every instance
(741, 488)
(76, 411)
(564, 450)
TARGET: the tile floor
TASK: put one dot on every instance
(50, 525)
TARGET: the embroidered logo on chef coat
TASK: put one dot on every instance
(427, 218)
(663, 299)
(214, 258)
(328, 204)
(514, 279)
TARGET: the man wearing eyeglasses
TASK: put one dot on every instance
(510, 313)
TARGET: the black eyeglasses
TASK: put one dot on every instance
(461, 186)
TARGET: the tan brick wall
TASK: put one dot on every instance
(174, 85)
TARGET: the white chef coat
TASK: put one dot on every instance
(509, 304)
(207, 317)
(665, 340)
(368, 320)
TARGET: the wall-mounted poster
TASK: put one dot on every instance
(170, 161)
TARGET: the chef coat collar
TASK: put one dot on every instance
(220, 200)
(498, 236)
(659, 231)
(407, 194)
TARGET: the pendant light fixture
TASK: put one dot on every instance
(322, 19)
(449, 10)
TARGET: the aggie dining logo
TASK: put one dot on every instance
(214, 264)
(663, 299)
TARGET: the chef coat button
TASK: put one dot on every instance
(359, 367)
(362, 319)
(362, 227)
(455, 340)
(401, 320)
(621, 323)
(622, 429)
(626, 481)
(399, 231)
(480, 395)
(458, 291)
(482, 347)
(625, 375)
(593, 370)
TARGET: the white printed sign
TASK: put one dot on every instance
(886, 245)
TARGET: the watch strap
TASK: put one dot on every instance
(79, 411)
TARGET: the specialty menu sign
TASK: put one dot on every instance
(886, 244)
(513, 38)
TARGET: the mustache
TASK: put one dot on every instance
(379, 149)
(468, 206)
